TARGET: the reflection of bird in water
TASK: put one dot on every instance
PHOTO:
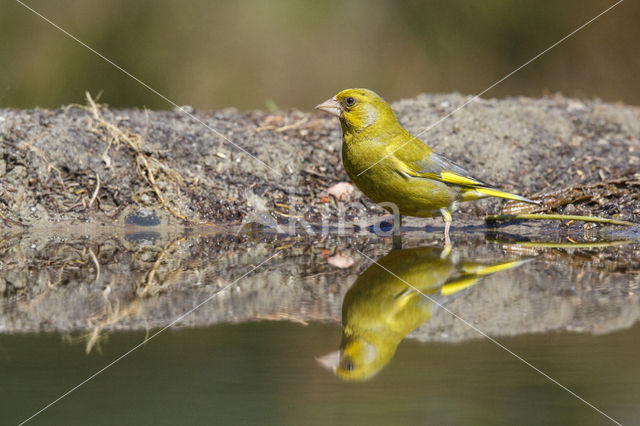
(380, 308)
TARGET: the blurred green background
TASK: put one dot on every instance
(215, 54)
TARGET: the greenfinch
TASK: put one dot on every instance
(393, 297)
(397, 170)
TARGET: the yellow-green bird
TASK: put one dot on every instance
(394, 296)
(394, 168)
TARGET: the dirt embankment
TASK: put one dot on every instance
(94, 164)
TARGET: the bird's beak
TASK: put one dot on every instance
(331, 106)
(330, 361)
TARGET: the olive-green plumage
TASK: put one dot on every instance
(394, 296)
(390, 165)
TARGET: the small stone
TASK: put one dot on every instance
(340, 261)
(573, 105)
(185, 109)
(570, 209)
(143, 217)
(341, 190)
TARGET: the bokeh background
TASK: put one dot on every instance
(292, 53)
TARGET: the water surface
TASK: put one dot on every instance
(411, 323)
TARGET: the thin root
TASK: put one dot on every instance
(95, 192)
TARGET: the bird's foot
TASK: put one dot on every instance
(446, 250)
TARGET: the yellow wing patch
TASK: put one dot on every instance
(458, 285)
(456, 179)
(445, 176)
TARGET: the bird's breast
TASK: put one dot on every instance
(378, 175)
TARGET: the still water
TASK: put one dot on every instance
(332, 329)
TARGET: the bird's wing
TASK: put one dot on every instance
(435, 166)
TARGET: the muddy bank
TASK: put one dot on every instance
(94, 164)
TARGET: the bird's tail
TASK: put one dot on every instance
(492, 192)
(473, 271)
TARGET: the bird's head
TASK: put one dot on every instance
(358, 109)
(360, 359)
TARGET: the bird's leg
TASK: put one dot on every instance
(397, 223)
(397, 242)
(397, 237)
(447, 224)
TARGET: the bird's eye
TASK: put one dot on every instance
(347, 365)
(350, 101)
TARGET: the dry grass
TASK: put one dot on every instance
(148, 168)
(152, 285)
